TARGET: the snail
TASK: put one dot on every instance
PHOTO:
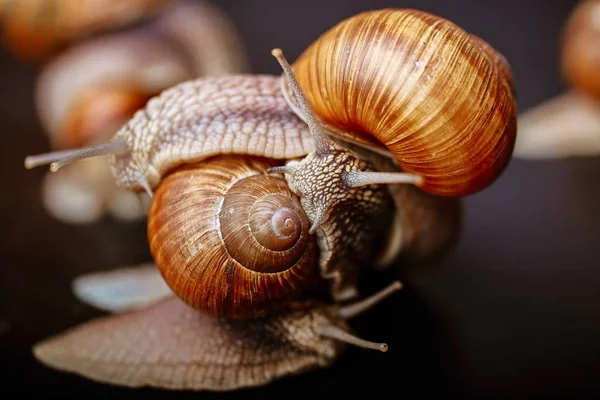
(441, 101)
(93, 88)
(36, 30)
(167, 344)
(250, 160)
(568, 124)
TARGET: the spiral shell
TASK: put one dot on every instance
(419, 86)
(229, 239)
(580, 56)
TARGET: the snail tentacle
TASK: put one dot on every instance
(326, 175)
(143, 182)
(58, 159)
(357, 179)
(114, 147)
(333, 332)
(352, 310)
(322, 142)
(47, 158)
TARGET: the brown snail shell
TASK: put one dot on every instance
(37, 29)
(580, 56)
(419, 86)
(229, 239)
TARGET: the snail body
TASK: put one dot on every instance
(191, 350)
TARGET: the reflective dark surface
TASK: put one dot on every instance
(513, 310)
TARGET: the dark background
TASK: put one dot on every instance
(512, 311)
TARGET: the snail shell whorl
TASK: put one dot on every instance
(231, 240)
(441, 102)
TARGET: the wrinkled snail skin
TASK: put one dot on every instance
(231, 240)
(235, 114)
(36, 30)
(419, 86)
(568, 124)
(351, 232)
(352, 228)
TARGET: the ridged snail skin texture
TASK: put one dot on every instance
(580, 57)
(441, 102)
(231, 240)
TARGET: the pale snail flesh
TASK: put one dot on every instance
(568, 124)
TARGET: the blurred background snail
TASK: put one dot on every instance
(36, 30)
(569, 124)
(85, 94)
(262, 197)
